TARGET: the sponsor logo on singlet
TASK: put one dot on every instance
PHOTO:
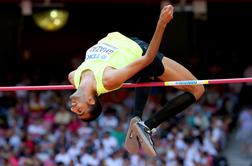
(100, 51)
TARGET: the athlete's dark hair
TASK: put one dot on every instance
(95, 110)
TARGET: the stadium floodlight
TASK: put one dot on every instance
(51, 19)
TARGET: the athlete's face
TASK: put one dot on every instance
(81, 109)
(80, 105)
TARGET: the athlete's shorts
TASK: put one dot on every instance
(156, 68)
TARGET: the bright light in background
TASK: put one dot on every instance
(51, 20)
(54, 13)
(57, 22)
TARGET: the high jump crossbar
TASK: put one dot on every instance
(133, 85)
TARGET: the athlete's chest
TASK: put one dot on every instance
(100, 51)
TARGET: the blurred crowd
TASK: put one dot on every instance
(37, 128)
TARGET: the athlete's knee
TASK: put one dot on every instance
(198, 91)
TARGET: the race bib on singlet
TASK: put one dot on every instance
(100, 51)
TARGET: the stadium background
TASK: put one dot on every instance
(37, 128)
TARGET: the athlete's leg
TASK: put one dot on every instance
(175, 72)
(141, 96)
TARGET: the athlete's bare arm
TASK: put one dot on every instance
(71, 77)
(114, 78)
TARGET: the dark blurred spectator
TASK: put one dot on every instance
(36, 129)
(114, 159)
(62, 116)
(109, 119)
(246, 90)
(110, 143)
(36, 103)
(244, 134)
(63, 157)
(90, 158)
(119, 134)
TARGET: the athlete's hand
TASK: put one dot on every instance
(166, 14)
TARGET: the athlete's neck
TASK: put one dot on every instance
(88, 82)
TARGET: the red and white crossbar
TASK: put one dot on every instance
(133, 85)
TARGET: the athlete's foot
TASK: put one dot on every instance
(144, 138)
(131, 144)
